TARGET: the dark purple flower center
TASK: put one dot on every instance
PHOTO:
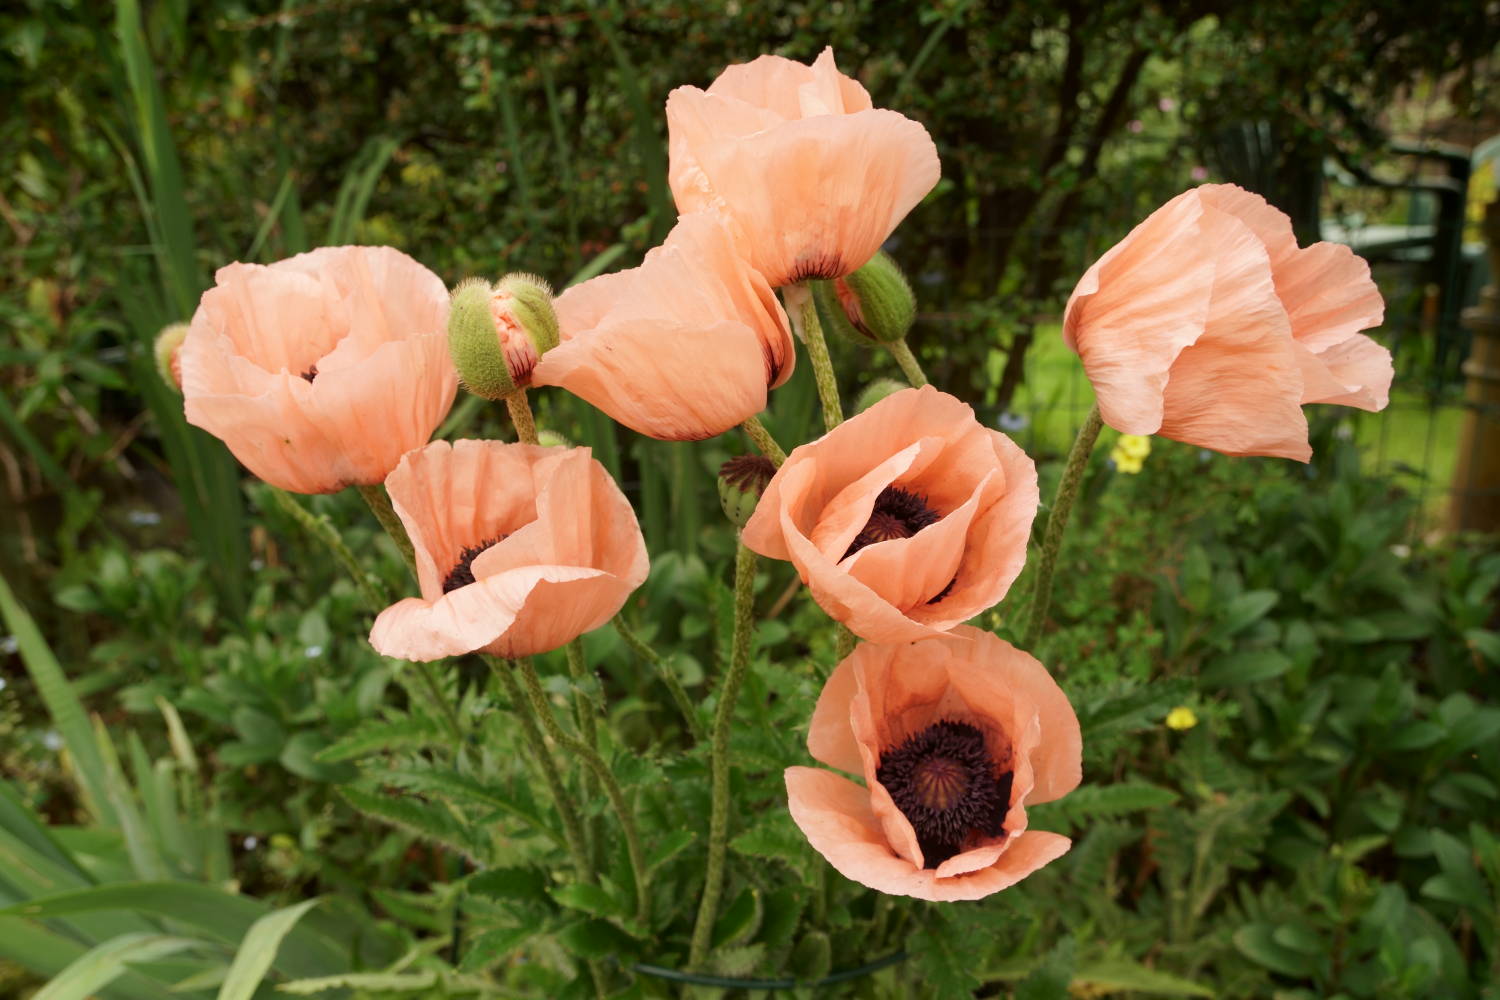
(944, 782)
(311, 373)
(897, 513)
(462, 573)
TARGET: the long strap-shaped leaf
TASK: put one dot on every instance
(106, 962)
(253, 959)
(62, 704)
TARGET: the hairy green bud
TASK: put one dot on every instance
(741, 482)
(876, 391)
(872, 306)
(497, 333)
(168, 344)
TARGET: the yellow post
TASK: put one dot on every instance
(1476, 480)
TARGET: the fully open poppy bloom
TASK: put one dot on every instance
(904, 520)
(954, 738)
(322, 370)
(681, 348)
(1207, 324)
(519, 550)
(810, 177)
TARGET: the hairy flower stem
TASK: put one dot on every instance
(763, 441)
(666, 673)
(542, 710)
(380, 505)
(525, 710)
(803, 309)
(588, 728)
(520, 415)
(319, 527)
(1057, 520)
(718, 821)
(908, 362)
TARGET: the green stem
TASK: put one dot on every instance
(380, 506)
(908, 362)
(319, 527)
(526, 711)
(718, 822)
(588, 729)
(804, 314)
(520, 415)
(666, 673)
(542, 709)
(1057, 520)
(763, 441)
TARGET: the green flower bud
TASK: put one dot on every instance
(741, 482)
(497, 334)
(168, 344)
(872, 306)
(876, 391)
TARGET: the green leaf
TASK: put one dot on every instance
(424, 819)
(62, 704)
(1245, 610)
(1123, 975)
(668, 848)
(375, 982)
(1248, 667)
(590, 899)
(1484, 644)
(220, 915)
(253, 959)
(1257, 942)
(411, 733)
(739, 920)
(1098, 801)
(525, 884)
(495, 945)
(595, 939)
(773, 837)
(104, 963)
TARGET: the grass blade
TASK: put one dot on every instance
(104, 963)
(62, 704)
(253, 959)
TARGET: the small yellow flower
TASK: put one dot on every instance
(1129, 453)
(1181, 718)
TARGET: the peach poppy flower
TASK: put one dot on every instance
(954, 738)
(683, 347)
(1207, 324)
(322, 370)
(810, 177)
(519, 549)
(904, 520)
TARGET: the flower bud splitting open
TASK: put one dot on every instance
(872, 306)
(741, 482)
(497, 334)
(168, 343)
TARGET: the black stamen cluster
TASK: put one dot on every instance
(462, 574)
(311, 373)
(943, 780)
(897, 514)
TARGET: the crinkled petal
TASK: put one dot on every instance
(1360, 371)
(1137, 308)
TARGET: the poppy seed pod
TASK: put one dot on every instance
(872, 306)
(497, 334)
(876, 391)
(741, 482)
(168, 343)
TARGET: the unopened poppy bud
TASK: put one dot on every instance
(741, 482)
(876, 391)
(497, 333)
(874, 305)
(168, 346)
